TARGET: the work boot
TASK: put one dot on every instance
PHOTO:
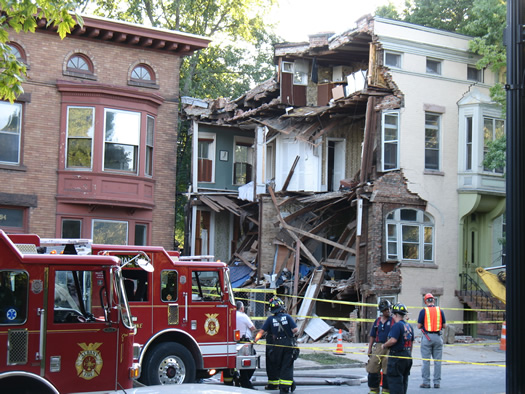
(294, 386)
(424, 386)
(436, 385)
(283, 391)
(271, 387)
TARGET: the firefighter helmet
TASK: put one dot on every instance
(276, 305)
(400, 309)
(383, 305)
(428, 296)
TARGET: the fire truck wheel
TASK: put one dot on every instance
(168, 363)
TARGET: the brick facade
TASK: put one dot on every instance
(44, 128)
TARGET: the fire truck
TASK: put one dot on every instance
(185, 316)
(65, 323)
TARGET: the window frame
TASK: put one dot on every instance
(79, 72)
(66, 159)
(439, 68)
(479, 73)
(248, 143)
(17, 47)
(150, 146)
(142, 82)
(469, 142)
(397, 241)
(393, 53)
(136, 147)
(396, 141)
(494, 136)
(438, 131)
(64, 219)
(23, 210)
(18, 133)
(97, 220)
(211, 155)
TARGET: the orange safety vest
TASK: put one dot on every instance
(433, 322)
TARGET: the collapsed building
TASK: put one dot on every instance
(354, 173)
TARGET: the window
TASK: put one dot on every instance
(473, 74)
(168, 285)
(410, 236)
(150, 134)
(300, 72)
(433, 66)
(492, 130)
(110, 232)
(10, 132)
(71, 228)
(432, 137)
(79, 64)
(393, 59)
(468, 143)
(142, 73)
(80, 127)
(205, 286)
(122, 138)
(390, 138)
(141, 234)
(12, 219)
(18, 52)
(243, 159)
(287, 67)
(13, 297)
(206, 157)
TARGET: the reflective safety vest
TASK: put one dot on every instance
(433, 322)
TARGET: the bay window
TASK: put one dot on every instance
(80, 128)
(122, 139)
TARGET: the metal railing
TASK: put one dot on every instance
(469, 288)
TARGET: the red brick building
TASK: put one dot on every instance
(89, 150)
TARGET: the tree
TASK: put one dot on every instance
(22, 15)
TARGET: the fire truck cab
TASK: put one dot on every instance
(185, 316)
(65, 323)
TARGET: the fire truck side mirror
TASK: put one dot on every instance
(145, 265)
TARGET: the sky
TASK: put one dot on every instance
(296, 19)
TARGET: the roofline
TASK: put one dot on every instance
(422, 28)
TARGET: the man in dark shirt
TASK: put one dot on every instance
(400, 340)
(279, 359)
(378, 336)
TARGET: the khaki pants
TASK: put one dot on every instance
(376, 363)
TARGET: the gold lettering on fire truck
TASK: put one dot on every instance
(211, 325)
(89, 361)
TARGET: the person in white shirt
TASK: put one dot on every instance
(244, 323)
(246, 327)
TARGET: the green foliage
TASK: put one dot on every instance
(496, 155)
(388, 11)
(22, 15)
(451, 15)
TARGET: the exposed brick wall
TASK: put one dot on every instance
(46, 55)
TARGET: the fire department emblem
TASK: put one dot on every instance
(211, 325)
(89, 361)
(36, 286)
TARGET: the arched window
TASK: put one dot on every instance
(79, 64)
(143, 75)
(410, 236)
(18, 52)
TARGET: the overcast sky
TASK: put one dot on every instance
(296, 19)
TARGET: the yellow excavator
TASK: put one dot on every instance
(495, 282)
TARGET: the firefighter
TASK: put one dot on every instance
(430, 321)
(378, 336)
(279, 359)
(400, 341)
(246, 327)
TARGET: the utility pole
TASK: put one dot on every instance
(515, 130)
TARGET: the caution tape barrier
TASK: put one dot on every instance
(320, 349)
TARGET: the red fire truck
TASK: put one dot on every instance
(65, 323)
(185, 316)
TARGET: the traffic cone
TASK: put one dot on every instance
(503, 342)
(339, 349)
(222, 376)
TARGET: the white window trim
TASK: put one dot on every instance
(18, 162)
(213, 154)
(385, 113)
(92, 140)
(399, 236)
(440, 138)
(440, 61)
(242, 140)
(480, 71)
(400, 54)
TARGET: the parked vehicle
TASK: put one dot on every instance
(65, 321)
